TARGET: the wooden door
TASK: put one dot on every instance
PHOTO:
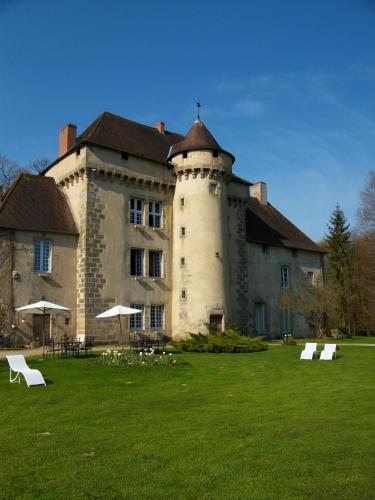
(41, 322)
(217, 320)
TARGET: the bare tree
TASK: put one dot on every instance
(366, 212)
(364, 258)
(38, 165)
(8, 171)
(310, 301)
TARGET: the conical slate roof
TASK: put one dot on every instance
(198, 138)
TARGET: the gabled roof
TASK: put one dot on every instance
(34, 203)
(267, 226)
(114, 132)
(198, 138)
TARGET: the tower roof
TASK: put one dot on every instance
(198, 138)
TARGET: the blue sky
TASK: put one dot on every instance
(287, 86)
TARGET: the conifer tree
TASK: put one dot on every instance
(339, 272)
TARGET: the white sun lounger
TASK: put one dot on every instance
(329, 352)
(18, 365)
(309, 351)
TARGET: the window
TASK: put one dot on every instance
(215, 153)
(155, 261)
(265, 249)
(124, 155)
(183, 294)
(184, 154)
(157, 317)
(286, 320)
(154, 213)
(42, 256)
(182, 202)
(212, 188)
(284, 277)
(136, 262)
(182, 261)
(183, 231)
(310, 276)
(294, 252)
(136, 211)
(260, 318)
(137, 320)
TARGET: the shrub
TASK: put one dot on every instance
(288, 340)
(227, 341)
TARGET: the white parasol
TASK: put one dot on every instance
(119, 311)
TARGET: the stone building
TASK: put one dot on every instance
(140, 216)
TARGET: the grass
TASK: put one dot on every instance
(260, 426)
(330, 340)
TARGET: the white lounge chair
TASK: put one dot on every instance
(329, 352)
(309, 351)
(18, 365)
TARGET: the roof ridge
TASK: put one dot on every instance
(10, 189)
(138, 123)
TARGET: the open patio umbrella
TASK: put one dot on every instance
(42, 307)
(119, 311)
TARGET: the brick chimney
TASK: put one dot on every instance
(67, 138)
(259, 191)
(161, 127)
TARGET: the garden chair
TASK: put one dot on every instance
(18, 365)
(87, 345)
(310, 351)
(329, 352)
(52, 347)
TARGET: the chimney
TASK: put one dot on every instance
(259, 191)
(67, 138)
(161, 127)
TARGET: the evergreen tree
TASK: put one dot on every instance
(339, 272)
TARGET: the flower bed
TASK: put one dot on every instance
(146, 357)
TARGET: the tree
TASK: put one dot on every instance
(9, 169)
(339, 270)
(364, 258)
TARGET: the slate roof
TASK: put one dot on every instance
(267, 226)
(198, 138)
(34, 203)
(118, 133)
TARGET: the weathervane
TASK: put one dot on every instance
(199, 105)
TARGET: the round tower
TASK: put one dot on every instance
(200, 268)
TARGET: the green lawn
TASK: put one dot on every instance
(330, 340)
(258, 426)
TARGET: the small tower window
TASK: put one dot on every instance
(124, 155)
(182, 261)
(311, 279)
(183, 231)
(212, 188)
(215, 153)
(184, 154)
(284, 275)
(182, 202)
(265, 249)
(183, 294)
(294, 252)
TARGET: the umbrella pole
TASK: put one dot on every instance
(121, 336)
(44, 326)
